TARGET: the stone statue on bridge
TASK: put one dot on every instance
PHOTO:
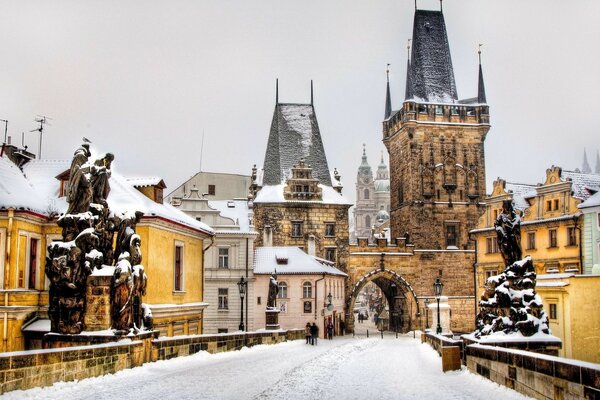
(273, 291)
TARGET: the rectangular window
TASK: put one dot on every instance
(451, 235)
(555, 204)
(178, 273)
(553, 313)
(530, 240)
(212, 190)
(571, 236)
(223, 257)
(296, 229)
(492, 244)
(329, 229)
(33, 263)
(330, 254)
(222, 330)
(489, 273)
(552, 242)
(258, 300)
(548, 205)
(282, 290)
(223, 299)
(307, 290)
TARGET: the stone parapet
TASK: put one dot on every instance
(536, 375)
(35, 368)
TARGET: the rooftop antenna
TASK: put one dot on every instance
(311, 92)
(201, 149)
(276, 91)
(5, 128)
(42, 120)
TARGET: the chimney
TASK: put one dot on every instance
(268, 236)
(312, 246)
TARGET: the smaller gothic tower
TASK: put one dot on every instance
(365, 210)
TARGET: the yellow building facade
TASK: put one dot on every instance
(551, 233)
(172, 248)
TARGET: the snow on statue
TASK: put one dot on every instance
(509, 304)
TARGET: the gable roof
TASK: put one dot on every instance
(17, 192)
(294, 135)
(581, 182)
(291, 260)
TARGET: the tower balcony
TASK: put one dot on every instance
(412, 111)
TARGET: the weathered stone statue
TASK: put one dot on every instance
(508, 230)
(88, 233)
(273, 291)
(509, 304)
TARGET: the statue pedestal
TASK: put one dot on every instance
(97, 300)
(543, 344)
(272, 319)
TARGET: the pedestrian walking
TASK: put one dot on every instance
(314, 334)
(307, 333)
(342, 327)
(330, 330)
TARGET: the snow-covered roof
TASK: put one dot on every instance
(592, 201)
(18, 192)
(581, 183)
(521, 192)
(36, 188)
(237, 210)
(291, 260)
(147, 181)
(294, 135)
(274, 194)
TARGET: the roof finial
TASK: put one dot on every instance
(441, 6)
(408, 48)
(364, 149)
(382, 156)
(276, 91)
(415, 4)
(387, 72)
(479, 52)
(311, 92)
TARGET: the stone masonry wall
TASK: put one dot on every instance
(535, 375)
(36, 368)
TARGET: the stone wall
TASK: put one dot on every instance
(536, 375)
(36, 368)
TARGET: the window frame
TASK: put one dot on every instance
(223, 299)
(223, 259)
(28, 235)
(283, 290)
(330, 229)
(3, 252)
(489, 273)
(366, 194)
(531, 240)
(552, 311)
(571, 236)
(296, 229)
(329, 250)
(552, 238)
(212, 190)
(447, 226)
(179, 245)
(307, 290)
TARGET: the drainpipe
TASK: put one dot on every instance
(247, 244)
(474, 277)
(316, 289)
(11, 215)
(212, 241)
(576, 219)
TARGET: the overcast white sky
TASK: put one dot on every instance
(144, 79)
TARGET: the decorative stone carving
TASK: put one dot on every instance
(87, 251)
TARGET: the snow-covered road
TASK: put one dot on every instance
(347, 368)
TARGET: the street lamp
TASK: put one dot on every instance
(437, 290)
(242, 284)
(329, 303)
(426, 313)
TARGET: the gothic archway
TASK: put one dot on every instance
(401, 298)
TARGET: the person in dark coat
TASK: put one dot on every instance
(329, 330)
(342, 327)
(314, 333)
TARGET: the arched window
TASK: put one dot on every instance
(307, 290)
(366, 194)
(282, 290)
(368, 221)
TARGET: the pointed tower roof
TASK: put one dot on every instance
(408, 92)
(585, 168)
(294, 135)
(388, 98)
(382, 169)
(365, 168)
(480, 86)
(431, 64)
(597, 168)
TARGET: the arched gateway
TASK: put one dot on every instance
(401, 298)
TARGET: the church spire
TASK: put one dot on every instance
(388, 99)
(480, 87)
(408, 93)
(585, 168)
(365, 168)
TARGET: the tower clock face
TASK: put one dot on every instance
(366, 180)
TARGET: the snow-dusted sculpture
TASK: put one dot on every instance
(273, 290)
(509, 303)
(86, 251)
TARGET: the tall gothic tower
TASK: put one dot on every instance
(365, 210)
(435, 143)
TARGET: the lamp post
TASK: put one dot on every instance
(437, 290)
(426, 313)
(242, 284)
